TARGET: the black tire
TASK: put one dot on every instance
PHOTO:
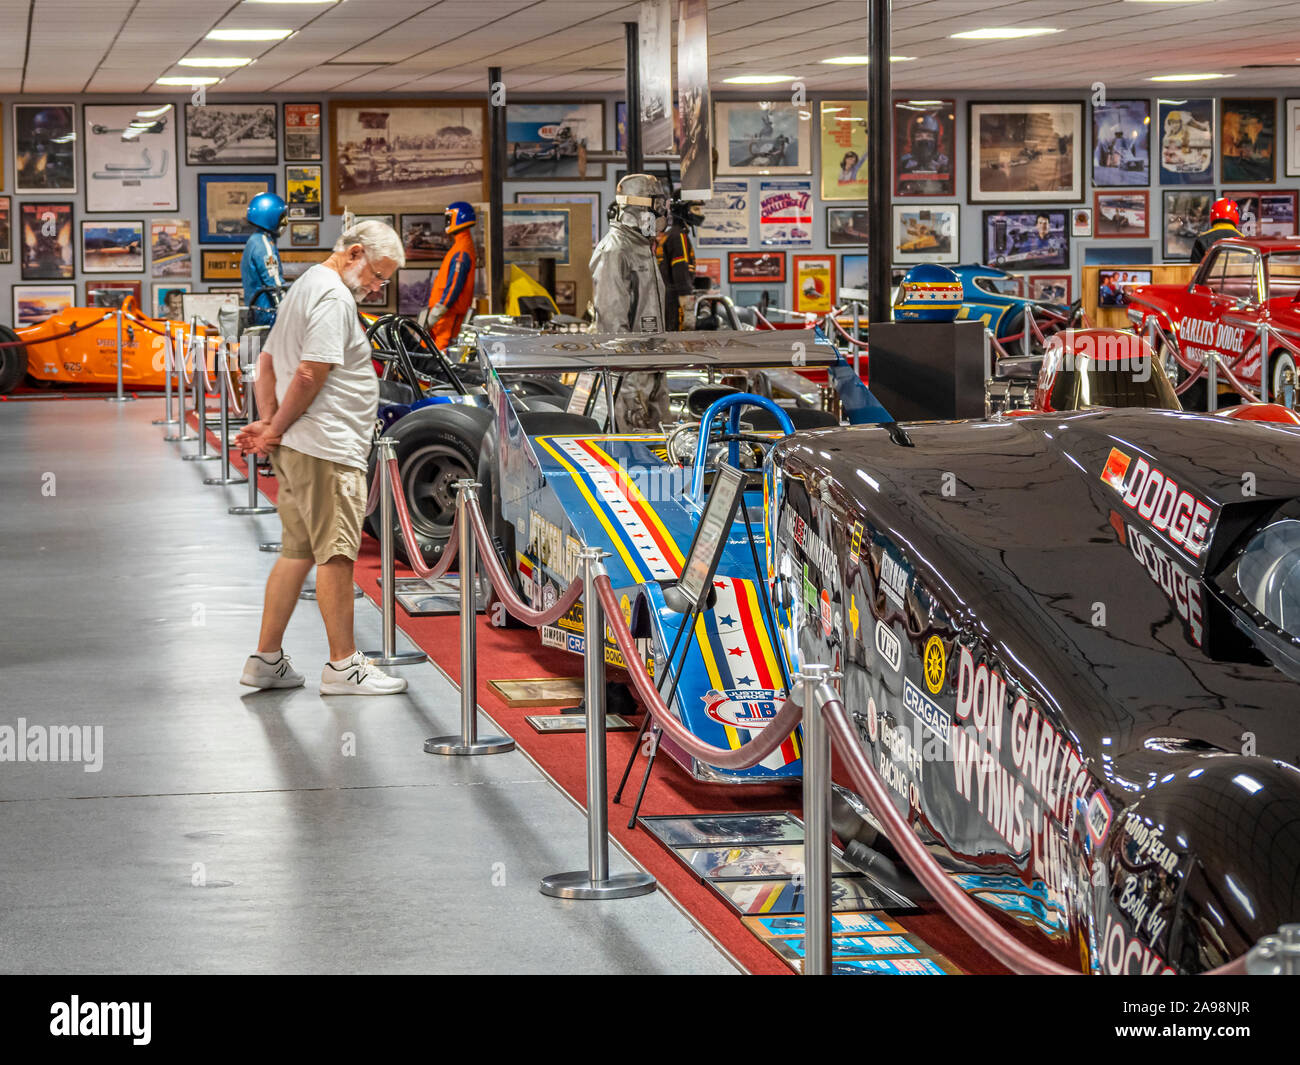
(13, 361)
(436, 446)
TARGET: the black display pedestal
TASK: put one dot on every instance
(922, 371)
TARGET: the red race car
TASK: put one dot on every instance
(1243, 283)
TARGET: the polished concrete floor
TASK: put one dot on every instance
(231, 831)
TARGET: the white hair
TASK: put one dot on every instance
(377, 239)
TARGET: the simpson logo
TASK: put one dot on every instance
(933, 716)
(894, 578)
(749, 708)
(888, 646)
(1099, 816)
(1159, 501)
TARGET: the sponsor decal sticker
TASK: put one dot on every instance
(933, 716)
(1160, 501)
(936, 664)
(891, 650)
(855, 544)
(749, 708)
(894, 578)
(873, 719)
(854, 615)
(827, 620)
(1099, 815)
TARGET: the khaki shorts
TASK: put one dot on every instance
(321, 504)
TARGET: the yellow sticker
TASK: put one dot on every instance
(853, 613)
(936, 664)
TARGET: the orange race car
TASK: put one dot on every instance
(79, 346)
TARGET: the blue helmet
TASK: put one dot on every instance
(268, 212)
(459, 215)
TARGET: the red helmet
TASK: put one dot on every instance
(1225, 210)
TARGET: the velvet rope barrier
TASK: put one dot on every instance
(58, 336)
(428, 573)
(747, 755)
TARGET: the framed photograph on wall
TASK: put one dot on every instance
(170, 248)
(814, 283)
(304, 234)
(543, 140)
(131, 161)
(390, 220)
(223, 201)
(853, 271)
(591, 198)
(115, 247)
(1270, 213)
(1186, 216)
(532, 233)
(926, 233)
(844, 149)
(45, 148)
(1113, 286)
(303, 193)
(220, 265)
(231, 135)
(1186, 131)
(167, 302)
(1293, 138)
(846, 227)
(46, 241)
(424, 237)
(763, 137)
(113, 293)
(1081, 222)
(6, 230)
(1027, 240)
(386, 154)
(1025, 152)
(297, 261)
(753, 267)
(413, 289)
(925, 147)
(1122, 214)
(712, 269)
(1247, 132)
(33, 304)
(302, 133)
(1121, 143)
(1050, 288)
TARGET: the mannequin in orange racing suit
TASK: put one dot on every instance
(452, 291)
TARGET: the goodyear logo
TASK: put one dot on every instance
(933, 716)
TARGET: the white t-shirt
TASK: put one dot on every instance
(318, 322)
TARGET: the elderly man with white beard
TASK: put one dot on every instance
(317, 396)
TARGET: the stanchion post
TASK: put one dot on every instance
(468, 742)
(594, 882)
(183, 350)
(201, 398)
(120, 396)
(817, 825)
(1212, 384)
(222, 387)
(390, 656)
(169, 363)
(1263, 361)
(254, 505)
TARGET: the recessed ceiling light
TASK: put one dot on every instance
(758, 79)
(1002, 33)
(1190, 77)
(189, 79)
(863, 60)
(249, 35)
(214, 61)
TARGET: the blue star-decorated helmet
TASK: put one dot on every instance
(929, 293)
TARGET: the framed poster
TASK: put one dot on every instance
(113, 293)
(726, 216)
(304, 234)
(220, 265)
(532, 233)
(130, 157)
(1113, 286)
(543, 140)
(406, 153)
(785, 212)
(592, 199)
(424, 237)
(115, 247)
(1025, 152)
(413, 290)
(655, 59)
(231, 135)
(846, 227)
(694, 112)
(1186, 141)
(925, 146)
(926, 234)
(1293, 138)
(33, 304)
(814, 283)
(1027, 240)
(1081, 222)
(302, 133)
(169, 247)
(167, 300)
(1247, 129)
(223, 200)
(297, 261)
(303, 187)
(1186, 216)
(1121, 143)
(6, 230)
(47, 242)
(45, 143)
(765, 137)
(853, 271)
(1269, 213)
(1122, 214)
(844, 149)
(756, 266)
(1050, 288)
(711, 269)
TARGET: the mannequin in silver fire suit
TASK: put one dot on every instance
(628, 291)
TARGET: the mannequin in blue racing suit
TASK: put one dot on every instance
(259, 267)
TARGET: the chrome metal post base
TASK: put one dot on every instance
(225, 480)
(119, 399)
(580, 886)
(457, 745)
(165, 421)
(269, 548)
(172, 438)
(250, 510)
(201, 458)
(397, 658)
(310, 593)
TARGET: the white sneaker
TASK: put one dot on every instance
(359, 677)
(264, 671)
